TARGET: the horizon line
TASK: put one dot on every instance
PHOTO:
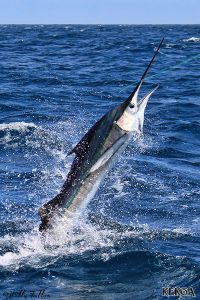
(103, 24)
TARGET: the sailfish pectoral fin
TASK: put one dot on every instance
(102, 160)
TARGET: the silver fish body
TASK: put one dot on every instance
(114, 144)
(96, 153)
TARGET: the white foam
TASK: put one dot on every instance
(192, 39)
(74, 237)
(19, 126)
(181, 230)
(169, 45)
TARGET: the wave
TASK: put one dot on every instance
(14, 134)
(28, 135)
(19, 126)
(175, 46)
(102, 249)
(79, 235)
(192, 39)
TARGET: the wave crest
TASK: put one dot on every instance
(192, 39)
(19, 126)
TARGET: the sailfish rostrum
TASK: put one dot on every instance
(96, 152)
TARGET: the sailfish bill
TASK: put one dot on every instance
(96, 152)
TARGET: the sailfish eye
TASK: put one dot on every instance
(131, 105)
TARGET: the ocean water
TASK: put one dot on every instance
(141, 231)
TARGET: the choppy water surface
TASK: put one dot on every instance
(141, 231)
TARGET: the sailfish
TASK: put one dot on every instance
(96, 152)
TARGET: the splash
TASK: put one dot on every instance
(79, 235)
(74, 237)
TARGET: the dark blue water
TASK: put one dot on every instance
(141, 231)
